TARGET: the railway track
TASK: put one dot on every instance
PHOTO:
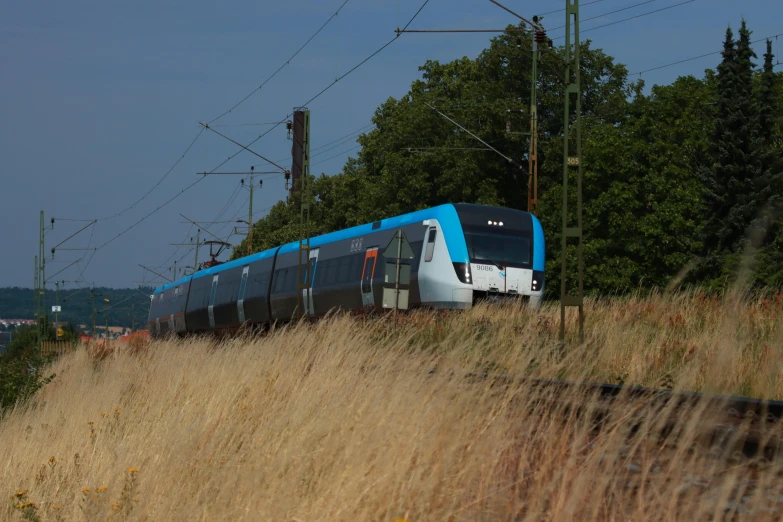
(753, 427)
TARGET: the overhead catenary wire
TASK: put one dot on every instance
(243, 100)
(561, 10)
(697, 57)
(262, 135)
(182, 156)
(343, 142)
(343, 137)
(582, 31)
(582, 20)
(335, 156)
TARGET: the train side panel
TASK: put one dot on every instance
(255, 302)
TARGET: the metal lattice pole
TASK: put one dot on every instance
(42, 279)
(572, 162)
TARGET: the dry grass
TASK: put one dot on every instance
(344, 420)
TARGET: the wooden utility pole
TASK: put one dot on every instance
(300, 152)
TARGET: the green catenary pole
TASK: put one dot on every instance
(56, 303)
(42, 280)
(36, 299)
(573, 90)
(94, 326)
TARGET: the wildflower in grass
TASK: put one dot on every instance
(23, 505)
(132, 470)
(85, 490)
(101, 489)
(52, 460)
(58, 506)
(20, 494)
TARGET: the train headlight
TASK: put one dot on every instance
(463, 272)
(537, 284)
(501, 223)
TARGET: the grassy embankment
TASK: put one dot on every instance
(344, 420)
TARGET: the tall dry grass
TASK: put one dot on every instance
(346, 420)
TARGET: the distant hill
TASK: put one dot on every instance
(126, 304)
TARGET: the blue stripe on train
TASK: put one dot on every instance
(445, 214)
(538, 245)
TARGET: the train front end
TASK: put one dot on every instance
(506, 253)
(478, 252)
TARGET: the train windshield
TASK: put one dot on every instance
(495, 247)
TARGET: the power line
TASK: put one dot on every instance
(700, 56)
(247, 124)
(561, 10)
(335, 156)
(159, 181)
(89, 243)
(355, 67)
(243, 100)
(342, 138)
(384, 46)
(631, 18)
(244, 147)
(607, 14)
(343, 142)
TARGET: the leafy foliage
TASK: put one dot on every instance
(16, 303)
(21, 367)
(673, 179)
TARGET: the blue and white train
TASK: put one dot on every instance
(462, 253)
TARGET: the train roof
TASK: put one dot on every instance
(445, 214)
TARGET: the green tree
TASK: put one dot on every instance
(769, 265)
(668, 175)
(21, 368)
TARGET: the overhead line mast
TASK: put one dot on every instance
(573, 91)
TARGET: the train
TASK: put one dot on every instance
(456, 254)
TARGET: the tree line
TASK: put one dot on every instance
(128, 305)
(681, 184)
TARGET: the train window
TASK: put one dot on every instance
(331, 272)
(376, 225)
(310, 272)
(430, 245)
(280, 280)
(256, 286)
(342, 264)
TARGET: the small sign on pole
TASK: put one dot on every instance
(397, 273)
(57, 308)
(59, 332)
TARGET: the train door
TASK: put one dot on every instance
(309, 280)
(212, 295)
(171, 309)
(428, 266)
(241, 295)
(367, 274)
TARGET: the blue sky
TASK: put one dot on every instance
(99, 100)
